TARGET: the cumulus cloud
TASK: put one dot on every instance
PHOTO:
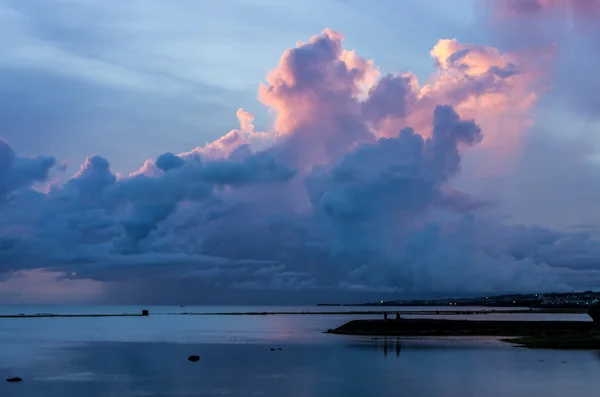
(353, 190)
(402, 174)
(234, 140)
(21, 172)
(498, 89)
(169, 161)
(93, 177)
(314, 92)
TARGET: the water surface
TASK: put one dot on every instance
(147, 356)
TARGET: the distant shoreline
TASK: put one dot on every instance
(47, 315)
(431, 312)
(549, 300)
(479, 304)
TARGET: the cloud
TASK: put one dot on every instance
(93, 177)
(234, 141)
(567, 32)
(498, 89)
(511, 8)
(35, 286)
(314, 92)
(394, 175)
(356, 188)
(254, 169)
(169, 161)
(552, 182)
(21, 172)
(153, 199)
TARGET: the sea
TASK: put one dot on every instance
(280, 355)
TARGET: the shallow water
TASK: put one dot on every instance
(138, 356)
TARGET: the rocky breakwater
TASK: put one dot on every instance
(431, 327)
(533, 334)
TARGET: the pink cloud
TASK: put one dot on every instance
(567, 32)
(314, 91)
(246, 120)
(496, 89)
(147, 169)
(226, 144)
(328, 99)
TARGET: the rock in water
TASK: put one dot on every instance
(193, 358)
(15, 379)
(145, 312)
(272, 349)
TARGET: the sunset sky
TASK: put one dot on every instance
(297, 151)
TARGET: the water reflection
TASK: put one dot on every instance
(148, 356)
(346, 369)
(385, 345)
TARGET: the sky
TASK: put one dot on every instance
(262, 151)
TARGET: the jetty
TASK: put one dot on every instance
(534, 334)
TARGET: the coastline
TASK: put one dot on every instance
(483, 311)
(47, 315)
(530, 334)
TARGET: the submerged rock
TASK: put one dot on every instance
(14, 380)
(193, 358)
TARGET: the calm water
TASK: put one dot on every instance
(147, 356)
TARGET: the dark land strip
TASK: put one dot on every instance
(357, 312)
(532, 334)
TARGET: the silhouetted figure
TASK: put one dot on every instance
(385, 316)
(398, 318)
(594, 313)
